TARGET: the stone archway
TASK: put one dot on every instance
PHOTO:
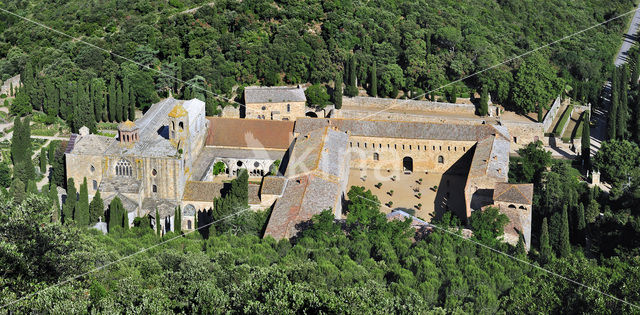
(407, 165)
(311, 114)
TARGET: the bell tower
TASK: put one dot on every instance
(178, 126)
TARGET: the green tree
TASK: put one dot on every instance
(546, 252)
(337, 91)
(5, 174)
(117, 215)
(240, 188)
(352, 71)
(53, 198)
(592, 212)
(113, 102)
(586, 140)
(535, 84)
(81, 213)
(317, 96)
(18, 190)
(565, 245)
(484, 102)
(158, 227)
(617, 160)
(96, 208)
(32, 188)
(21, 105)
(613, 115)
(218, 168)
(177, 221)
(70, 203)
(43, 160)
(581, 224)
(374, 80)
(488, 224)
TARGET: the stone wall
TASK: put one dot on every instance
(523, 133)
(275, 111)
(6, 85)
(388, 153)
(383, 103)
(551, 114)
(81, 166)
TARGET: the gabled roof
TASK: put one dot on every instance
(249, 133)
(128, 204)
(273, 94)
(513, 193)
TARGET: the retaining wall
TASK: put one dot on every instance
(382, 103)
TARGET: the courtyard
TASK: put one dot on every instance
(424, 195)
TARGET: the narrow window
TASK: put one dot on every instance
(155, 188)
(95, 185)
(440, 159)
(376, 156)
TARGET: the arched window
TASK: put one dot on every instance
(376, 156)
(512, 206)
(123, 168)
(154, 172)
(522, 208)
(441, 159)
(188, 224)
(181, 125)
(92, 168)
(95, 185)
(288, 108)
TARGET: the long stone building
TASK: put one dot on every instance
(298, 168)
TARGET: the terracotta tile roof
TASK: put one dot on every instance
(514, 193)
(273, 94)
(273, 185)
(249, 133)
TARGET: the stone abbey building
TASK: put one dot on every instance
(298, 166)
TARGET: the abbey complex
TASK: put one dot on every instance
(302, 161)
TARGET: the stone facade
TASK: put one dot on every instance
(274, 103)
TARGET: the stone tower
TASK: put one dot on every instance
(178, 127)
(128, 133)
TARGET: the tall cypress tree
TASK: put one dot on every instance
(581, 224)
(53, 196)
(43, 160)
(565, 245)
(32, 188)
(125, 99)
(158, 227)
(586, 140)
(352, 71)
(337, 91)
(132, 104)
(17, 190)
(52, 97)
(81, 213)
(116, 211)
(545, 248)
(18, 139)
(97, 94)
(70, 202)
(96, 209)
(374, 80)
(240, 188)
(119, 103)
(484, 102)
(177, 221)
(112, 99)
(613, 115)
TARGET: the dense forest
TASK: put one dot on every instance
(386, 47)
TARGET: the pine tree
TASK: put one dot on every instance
(586, 141)
(81, 213)
(96, 208)
(70, 203)
(337, 91)
(158, 227)
(43, 161)
(374, 80)
(177, 221)
(565, 245)
(545, 248)
(17, 190)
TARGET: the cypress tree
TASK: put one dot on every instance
(565, 245)
(240, 188)
(177, 221)
(613, 115)
(70, 203)
(18, 139)
(32, 188)
(352, 71)
(623, 107)
(96, 208)
(11, 93)
(540, 118)
(53, 196)
(337, 91)
(636, 120)
(115, 215)
(97, 94)
(545, 248)
(125, 99)
(119, 103)
(158, 228)
(374, 80)
(582, 224)
(586, 141)
(43, 161)
(112, 99)
(52, 99)
(484, 102)
(210, 103)
(17, 190)
(132, 104)
(81, 213)
(521, 249)
(454, 94)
